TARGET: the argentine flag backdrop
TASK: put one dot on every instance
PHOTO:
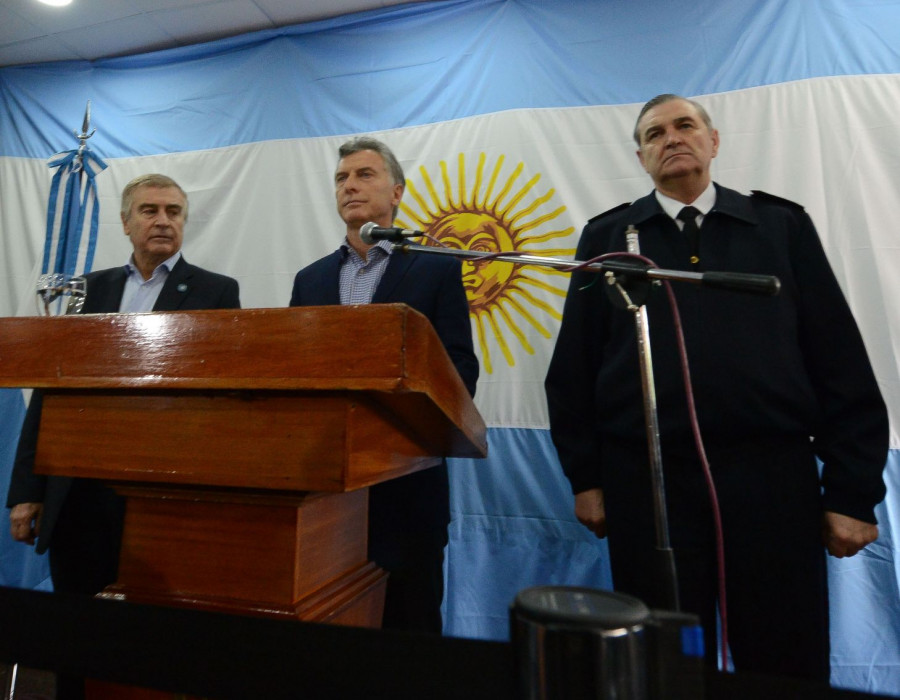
(513, 120)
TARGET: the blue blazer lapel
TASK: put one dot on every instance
(398, 266)
(176, 288)
(329, 285)
(104, 291)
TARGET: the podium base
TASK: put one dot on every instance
(297, 557)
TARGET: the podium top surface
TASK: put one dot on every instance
(388, 349)
(383, 346)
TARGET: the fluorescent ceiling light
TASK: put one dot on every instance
(56, 3)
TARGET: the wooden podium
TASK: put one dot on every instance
(244, 442)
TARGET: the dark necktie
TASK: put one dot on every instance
(688, 216)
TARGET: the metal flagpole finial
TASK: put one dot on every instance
(83, 137)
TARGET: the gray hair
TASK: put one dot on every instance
(669, 97)
(149, 180)
(367, 143)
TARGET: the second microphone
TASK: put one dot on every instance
(372, 233)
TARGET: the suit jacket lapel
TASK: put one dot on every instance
(176, 288)
(397, 268)
(330, 284)
(104, 292)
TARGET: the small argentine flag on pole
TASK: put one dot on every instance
(73, 215)
(73, 211)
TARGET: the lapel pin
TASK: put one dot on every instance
(182, 287)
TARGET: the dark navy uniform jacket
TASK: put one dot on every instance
(763, 368)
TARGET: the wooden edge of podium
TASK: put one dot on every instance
(355, 599)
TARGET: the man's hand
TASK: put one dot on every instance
(590, 511)
(845, 536)
(25, 521)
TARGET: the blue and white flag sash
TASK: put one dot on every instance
(72, 204)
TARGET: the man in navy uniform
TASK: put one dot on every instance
(778, 382)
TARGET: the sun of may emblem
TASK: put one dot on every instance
(495, 214)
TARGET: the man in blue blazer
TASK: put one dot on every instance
(79, 520)
(408, 517)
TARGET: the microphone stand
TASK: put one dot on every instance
(632, 282)
(765, 285)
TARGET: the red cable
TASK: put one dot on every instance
(698, 442)
(695, 428)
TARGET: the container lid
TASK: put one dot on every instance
(580, 607)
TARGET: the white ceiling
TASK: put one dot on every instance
(31, 32)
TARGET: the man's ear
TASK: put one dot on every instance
(398, 194)
(641, 158)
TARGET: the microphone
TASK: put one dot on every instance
(763, 285)
(372, 232)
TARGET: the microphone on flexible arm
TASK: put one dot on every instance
(372, 233)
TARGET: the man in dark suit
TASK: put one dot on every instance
(777, 382)
(79, 520)
(408, 517)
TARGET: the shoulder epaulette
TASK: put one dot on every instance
(775, 200)
(609, 211)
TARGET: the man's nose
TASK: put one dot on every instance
(673, 137)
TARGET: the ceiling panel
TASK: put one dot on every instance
(211, 21)
(14, 27)
(116, 37)
(154, 5)
(31, 32)
(81, 13)
(285, 12)
(39, 50)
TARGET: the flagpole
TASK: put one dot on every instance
(82, 138)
